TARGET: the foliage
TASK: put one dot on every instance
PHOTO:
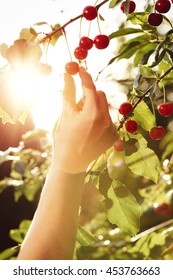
(132, 184)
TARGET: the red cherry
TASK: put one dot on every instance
(155, 19)
(125, 108)
(119, 145)
(101, 41)
(132, 7)
(72, 68)
(86, 43)
(157, 132)
(162, 6)
(165, 109)
(80, 53)
(90, 12)
(164, 209)
(131, 126)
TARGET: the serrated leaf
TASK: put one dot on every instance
(144, 162)
(85, 237)
(123, 209)
(144, 116)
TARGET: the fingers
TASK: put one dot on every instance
(103, 105)
(89, 89)
(69, 94)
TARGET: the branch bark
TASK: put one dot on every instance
(62, 27)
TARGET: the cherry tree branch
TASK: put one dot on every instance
(144, 94)
(62, 27)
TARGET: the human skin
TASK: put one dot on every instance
(81, 136)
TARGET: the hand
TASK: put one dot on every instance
(82, 135)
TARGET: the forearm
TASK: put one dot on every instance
(52, 234)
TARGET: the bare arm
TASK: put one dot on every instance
(81, 137)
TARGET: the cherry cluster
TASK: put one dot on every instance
(100, 41)
(156, 17)
(161, 7)
(131, 126)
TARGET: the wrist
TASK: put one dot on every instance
(67, 165)
(58, 170)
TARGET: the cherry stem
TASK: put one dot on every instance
(65, 36)
(98, 23)
(61, 28)
(164, 94)
(153, 109)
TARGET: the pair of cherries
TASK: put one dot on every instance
(155, 18)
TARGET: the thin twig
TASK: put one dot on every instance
(145, 93)
(62, 27)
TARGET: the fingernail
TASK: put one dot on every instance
(82, 68)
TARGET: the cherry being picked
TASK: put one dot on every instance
(100, 42)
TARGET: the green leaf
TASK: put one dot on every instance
(26, 34)
(57, 35)
(34, 135)
(128, 49)
(6, 117)
(33, 32)
(146, 71)
(85, 237)
(144, 162)
(123, 209)
(101, 18)
(157, 239)
(113, 3)
(125, 31)
(142, 246)
(8, 253)
(22, 117)
(144, 116)
(147, 242)
(31, 188)
(41, 23)
(140, 19)
(166, 145)
(149, 48)
(19, 234)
